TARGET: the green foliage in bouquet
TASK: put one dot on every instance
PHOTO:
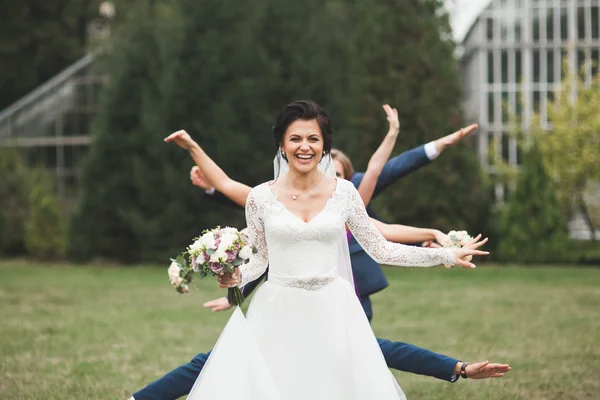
(533, 227)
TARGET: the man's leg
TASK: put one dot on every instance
(409, 358)
(366, 304)
(176, 383)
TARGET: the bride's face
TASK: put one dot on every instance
(303, 145)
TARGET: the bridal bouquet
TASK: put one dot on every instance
(221, 250)
(456, 239)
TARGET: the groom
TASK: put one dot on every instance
(401, 356)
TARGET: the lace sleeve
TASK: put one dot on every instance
(385, 252)
(256, 231)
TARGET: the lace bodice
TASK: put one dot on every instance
(306, 252)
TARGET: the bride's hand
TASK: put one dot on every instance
(181, 138)
(227, 280)
(392, 117)
(470, 249)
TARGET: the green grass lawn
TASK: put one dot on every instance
(71, 332)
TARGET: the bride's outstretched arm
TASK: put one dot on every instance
(236, 191)
(389, 253)
(380, 157)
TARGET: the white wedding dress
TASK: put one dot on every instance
(306, 336)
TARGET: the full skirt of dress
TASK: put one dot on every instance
(298, 344)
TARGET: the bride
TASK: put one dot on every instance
(308, 305)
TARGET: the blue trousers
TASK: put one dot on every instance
(366, 304)
(398, 355)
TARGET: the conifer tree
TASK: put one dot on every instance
(533, 227)
(404, 56)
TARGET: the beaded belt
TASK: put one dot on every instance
(309, 283)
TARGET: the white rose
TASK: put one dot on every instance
(245, 252)
(462, 237)
(177, 281)
(218, 256)
(460, 234)
(196, 247)
(173, 271)
(446, 241)
(227, 241)
(208, 240)
(229, 230)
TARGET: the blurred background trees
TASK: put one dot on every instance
(222, 73)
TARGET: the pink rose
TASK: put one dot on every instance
(217, 268)
(231, 255)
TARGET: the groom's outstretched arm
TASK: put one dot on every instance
(397, 167)
(413, 159)
(409, 358)
(176, 383)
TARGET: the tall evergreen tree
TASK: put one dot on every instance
(404, 56)
(190, 66)
(102, 224)
(223, 81)
(221, 73)
(533, 227)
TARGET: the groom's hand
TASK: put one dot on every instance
(220, 304)
(198, 178)
(453, 138)
(484, 370)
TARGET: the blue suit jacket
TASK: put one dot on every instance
(368, 275)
